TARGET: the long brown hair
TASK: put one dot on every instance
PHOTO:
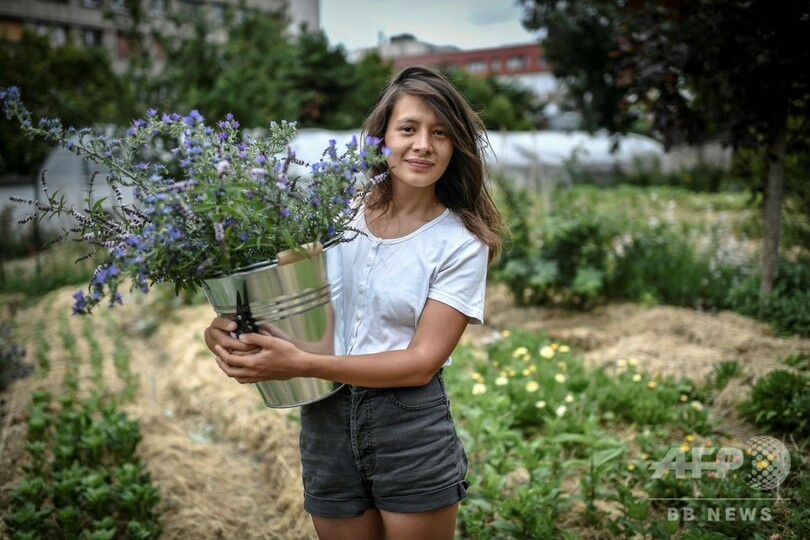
(462, 188)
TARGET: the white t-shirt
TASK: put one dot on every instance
(386, 282)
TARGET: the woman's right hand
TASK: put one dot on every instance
(220, 333)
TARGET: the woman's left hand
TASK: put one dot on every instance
(274, 359)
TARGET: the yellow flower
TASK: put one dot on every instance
(564, 348)
(477, 377)
(526, 372)
(532, 368)
(763, 464)
(637, 377)
(540, 404)
(479, 389)
(501, 381)
(547, 352)
(559, 411)
(684, 447)
(520, 351)
(645, 456)
(690, 438)
(684, 398)
(506, 333)
(532, 386)
(631, 467)
(554, 346)
(633, 361)
(651, 385)
(569, 398)
(621, 362)
(698, 406)
(511, 372)
(562, 365)
(559, 377)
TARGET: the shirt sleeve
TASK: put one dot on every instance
(462, 279)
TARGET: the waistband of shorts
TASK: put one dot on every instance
(352, 389)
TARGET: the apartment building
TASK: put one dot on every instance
(102, 23)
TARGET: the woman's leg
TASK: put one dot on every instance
(439, 524)
(368, 526)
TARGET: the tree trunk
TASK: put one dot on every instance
(772, 216)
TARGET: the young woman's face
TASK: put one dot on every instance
(419, 142)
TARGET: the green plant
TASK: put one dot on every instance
(787, 308)
(779, 402)
(12, 365)
(84, 478)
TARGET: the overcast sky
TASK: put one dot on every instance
(468, 24)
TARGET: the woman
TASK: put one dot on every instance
(381, 458)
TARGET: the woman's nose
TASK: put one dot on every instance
(422, 142)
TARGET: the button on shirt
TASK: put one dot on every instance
(386, 282)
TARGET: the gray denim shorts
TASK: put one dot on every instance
(395, 449)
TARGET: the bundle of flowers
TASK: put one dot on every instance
(207, 200)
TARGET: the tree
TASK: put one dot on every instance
(500, 105)
(70, 82)
(735, 69)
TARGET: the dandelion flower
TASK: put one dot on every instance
(651, 385)
(645, 456)
(511, 372)
(559, 411)
(633, 361)
(547, 352)
(506, 333)
(479, 389)
(684, 398)
(532, 386)
(477, 377)
(637, 377)
(569, 398)
(562, 365)
(540, 404)
(690, 438)
(526, 372)
(501, 381)
(559, 377)
(555, 346)
(621, 362)
(520, 351)
(565, 348)
(697, 405)
(631, 467)
(684, 447)
(762, 464)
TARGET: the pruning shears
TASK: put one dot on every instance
(245, 323)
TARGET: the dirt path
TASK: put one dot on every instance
(227, 467)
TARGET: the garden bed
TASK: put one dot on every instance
(228, 467)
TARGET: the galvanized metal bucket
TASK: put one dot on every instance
(292, 298)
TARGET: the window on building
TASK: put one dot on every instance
(91, 37)
(516, 62)
(476, 66)
(95, 4)
(57, 35)
(122, 48)
(118, 5)
(495, 64)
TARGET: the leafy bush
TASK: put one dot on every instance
(623, 243)
(788, 306)
(780, 402)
